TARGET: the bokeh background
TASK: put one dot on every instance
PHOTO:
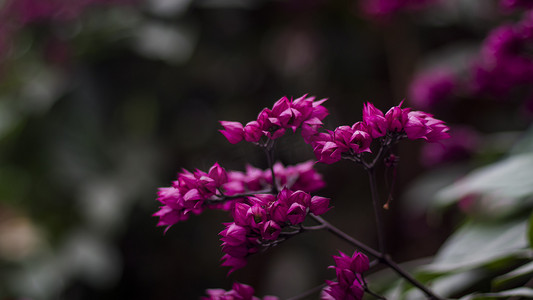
(102, 102)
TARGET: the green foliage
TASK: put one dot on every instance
(491, 250)
(518, 292)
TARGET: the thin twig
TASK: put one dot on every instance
(377, 210)
(269, 152)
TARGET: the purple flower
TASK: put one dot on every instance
(260, 219)
(270, 230)
(374, 120)
(285, 114)
(325, 148)
(319, 205)
(218, 174)
(296, 213)
(349, 284)
(233, 234)
(504, 62)
(396, 118)
(239, 291)
(253, 132)
(233, 131)
(234, 262)
(423, 125)
(431, 88)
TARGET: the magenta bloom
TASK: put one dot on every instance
(375, 120)
(298, 177)
(329, 147)
(504, 63)
(188, 194)
(233, 131)
(327, 152)
(304, 112)
(260, 220)
(431, 88)
(349, 284)
(239, 291)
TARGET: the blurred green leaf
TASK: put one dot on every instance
(479, 243)
(502, 187)
(421, 194)
(525, 271)
(525, 144)
(518, 292)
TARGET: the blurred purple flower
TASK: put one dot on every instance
(385, 9)
(505, 62)
(239, 291)
(461, 145)
(509, 5)
(431, 88)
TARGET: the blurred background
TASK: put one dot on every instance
(104, 101)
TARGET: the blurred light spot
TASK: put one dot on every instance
(19, 238)
(90, 258)
(159, 41)
(43, 87)
(168, 8)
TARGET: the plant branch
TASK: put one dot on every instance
(269, 151)
(377, 210)
(382, 258)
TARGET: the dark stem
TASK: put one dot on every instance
(269, 151)
(341, 234)
(377, 210)
(382, 258)
(224, 198)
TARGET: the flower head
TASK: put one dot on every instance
(349, 284)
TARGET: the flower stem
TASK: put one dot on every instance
(269, 151)
(377, 210)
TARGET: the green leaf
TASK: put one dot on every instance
(503, 186)
(523, 272)
(449, 285)
(479, 243)
(518, 292)
(525, 145)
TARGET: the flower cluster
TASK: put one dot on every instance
(350, 283)
(194, 192)
(303, 112)
(239, 291)
(188, 194)
(259, 222)
(505, 61)
(397, 123)
(298, 177)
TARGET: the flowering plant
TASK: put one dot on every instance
(271, 206)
